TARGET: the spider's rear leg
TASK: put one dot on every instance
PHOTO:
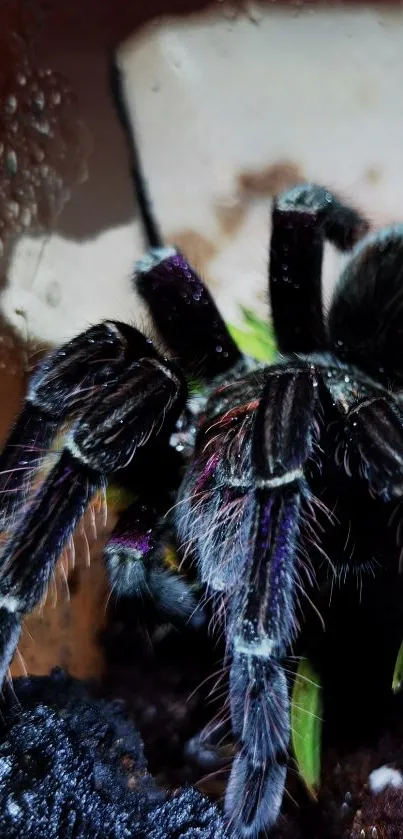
(141, 562)
(144, 396)
(63, 386)
(302, 219)
(185, 314)
(366, 314)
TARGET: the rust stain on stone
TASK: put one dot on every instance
(197, 249)
(230, 215)
(270, 180)
(373, 175)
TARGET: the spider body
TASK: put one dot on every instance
(261, 452)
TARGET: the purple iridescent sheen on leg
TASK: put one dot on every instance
(130, 548)
(138, 560)
(185, 313)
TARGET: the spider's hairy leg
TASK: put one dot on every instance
(303, 217)
(63, 386)
(366, 314)
(103, 440)
(185, 314)
(240, 516)
(263, 606)
(141, 562)
(374, 439)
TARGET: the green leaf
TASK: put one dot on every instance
(118, 498)
(397, 681)
(249, 343)
(306, 724)
(256, 339)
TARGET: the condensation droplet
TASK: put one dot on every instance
(26, 217)
(1, 248)
(10, 105)
(21, 79)
(38, 102)
(53, 294)
(11, 162)
(43, 127)
(38, 154)
(13, 208)
(56, 97)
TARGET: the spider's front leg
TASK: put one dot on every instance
(185, 314)
(243, 520)
(303, 217)
(145, 395)
(64, 385)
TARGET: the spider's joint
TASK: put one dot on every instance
(152, 258)
(262, 647)
(75, 450)
(269, 483)
(167, 371)
(10, 603)
(365, 403)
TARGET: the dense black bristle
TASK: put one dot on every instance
(63, 385)
(296, 254)
(106, 438)
(365, 318)
(146, 394)
(23, 454)
(185, 314)
(302, 219)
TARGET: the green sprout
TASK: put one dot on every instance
(255, 338)
(118, 498)
(397, 681)
(306, 725)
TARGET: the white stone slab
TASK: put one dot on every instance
(221, 105)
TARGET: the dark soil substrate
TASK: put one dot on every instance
(167, 677)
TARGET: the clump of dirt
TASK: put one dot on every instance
(168, 678)
(347, 806)
(165, 676)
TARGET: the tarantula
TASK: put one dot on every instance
(254, 452)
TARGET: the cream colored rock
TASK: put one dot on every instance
(228, 111)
